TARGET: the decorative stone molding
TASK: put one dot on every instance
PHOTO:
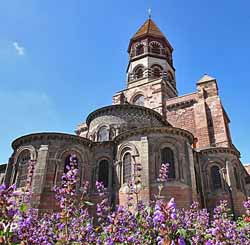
(186, 103)
(216, 150)
(45, 137)
(148, 130)
(113, 108)
(132, 147)
(30, 148)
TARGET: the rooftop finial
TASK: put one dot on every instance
(149, 13)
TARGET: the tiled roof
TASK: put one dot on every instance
(206, 78)
(148, 28)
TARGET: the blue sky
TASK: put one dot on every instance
(60, 60)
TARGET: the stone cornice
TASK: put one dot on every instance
(148, 130)
(113, 108)
(185, 103)
(46, 137)
(217, 150)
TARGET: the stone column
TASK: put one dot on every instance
(144, 156)
(192, 172)
(39, 176)
(201, 123)
(9, 171)
(231, 183)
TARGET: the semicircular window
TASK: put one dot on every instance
(68, 160)
(155, 47)
(167, 156)
(103, 134)
(21, 169)
(215, 178)
(138, 72)
(24, 157)
(140, 49)
(103, 173)
(139, 100)
(127, 168)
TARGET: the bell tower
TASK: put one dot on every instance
(150, 71)
(150, 57)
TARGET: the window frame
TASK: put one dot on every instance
(172, 165)
(213, 180)
(108, 172)
(123, 167)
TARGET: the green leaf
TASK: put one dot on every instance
(88, 203)
(23, 208)
(182, 232)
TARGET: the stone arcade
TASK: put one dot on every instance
(148, 123)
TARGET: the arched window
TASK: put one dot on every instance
(103, 134)
(155, 47)
(112, 133)
(103, 173)
(21, 169)
(139, 72)
(139, 49)
(24, 157)
(167, 156)
(156, 72)
(215, 178)
(139, 100)
(67, 162)
(127, 167)
(236, 176)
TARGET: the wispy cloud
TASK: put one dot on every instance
(19, 49)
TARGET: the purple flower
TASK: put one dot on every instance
(181, 241)
(163, 173)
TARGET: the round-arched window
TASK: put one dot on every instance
(68, 160)
(127, 167)
(156, 72)
(21, 169)
(138, 73)
(215, 178)
(139, 100)
(139, 49)
(155, 47)
(103, 172)
(167, 156)
(24, 157)
(103, 134)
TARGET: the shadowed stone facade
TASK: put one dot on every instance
(150, 124)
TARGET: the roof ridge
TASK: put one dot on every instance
(148, 28)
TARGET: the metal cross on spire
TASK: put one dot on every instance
(149, 13)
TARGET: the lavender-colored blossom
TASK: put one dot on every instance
(163, 173)
(158, 222)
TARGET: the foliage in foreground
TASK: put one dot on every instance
(159, 222)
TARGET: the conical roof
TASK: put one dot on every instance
(148, 28)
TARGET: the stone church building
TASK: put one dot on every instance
(147, 123)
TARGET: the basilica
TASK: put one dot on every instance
(148, 123)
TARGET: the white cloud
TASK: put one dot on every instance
(19, 49)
